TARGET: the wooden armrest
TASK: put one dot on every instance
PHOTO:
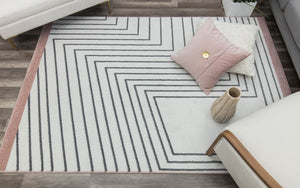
(247, 157)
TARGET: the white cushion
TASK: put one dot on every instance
(243, 36)
(13, 10)
(46, 16)
(271, 135)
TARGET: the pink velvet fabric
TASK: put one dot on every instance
(222, 56)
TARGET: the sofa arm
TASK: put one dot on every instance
(271, 137)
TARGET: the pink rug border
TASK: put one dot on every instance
(29, 79)
(275, 58)
(18, 110)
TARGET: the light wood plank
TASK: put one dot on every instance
(161, 180)
(11, 180)
(11, 82)
(9, 92)
(12, 72)
(55, 180)
(16, 55)
(5, 113)
(3, 124)
(200, 4)
(2, 133)
(14, 63)
(7, 102)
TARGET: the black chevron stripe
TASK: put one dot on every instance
(118, 70)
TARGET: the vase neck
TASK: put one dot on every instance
(234, 93)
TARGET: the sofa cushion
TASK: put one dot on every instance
(283, 3)
(271, 135)
(292, 16)
(13, 10)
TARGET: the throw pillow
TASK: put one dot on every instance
(243, 36)
(208, 56)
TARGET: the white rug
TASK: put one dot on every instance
(107, 97)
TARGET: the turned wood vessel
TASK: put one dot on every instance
(223, 109)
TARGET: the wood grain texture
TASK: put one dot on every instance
(19, 60)
(2, 133)
(16, 55)
(14, 64)
(55, 180)
(3, 123)
(26, 41)
(11, 180)
(7, 102)
(11, 82)
(199, 4)
(86, 180)
(5, 113)
(246, 156)
(12, 72)
(9, 92)
(161, 180)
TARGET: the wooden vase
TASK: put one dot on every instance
(223, 109)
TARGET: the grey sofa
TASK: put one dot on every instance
(287, 16)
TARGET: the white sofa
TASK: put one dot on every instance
(263, 149)
(18, 16)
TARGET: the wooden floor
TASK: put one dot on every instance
(13, 65)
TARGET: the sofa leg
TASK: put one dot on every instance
(109, 7)
(12, 44)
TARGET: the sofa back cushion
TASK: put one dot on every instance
(283, 3)
(292, 16)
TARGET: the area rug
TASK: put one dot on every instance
(106, 97)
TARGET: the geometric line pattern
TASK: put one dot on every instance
(107, 97)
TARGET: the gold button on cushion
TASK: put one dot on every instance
(205, 54)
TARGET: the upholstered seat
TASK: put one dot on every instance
(271, 137)
(18, 16)
(15, 10)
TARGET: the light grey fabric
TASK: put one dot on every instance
(283, 3)
(292, 16)
(286, 34)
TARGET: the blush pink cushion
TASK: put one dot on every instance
(222, 56)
